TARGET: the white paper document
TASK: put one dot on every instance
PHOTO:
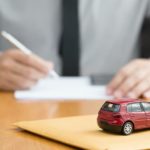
(64, 88)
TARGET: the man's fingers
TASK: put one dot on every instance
(138, 90)
(120, 77)
(16, 81)
(6, 85)
(131, 82)
(147, 94)
(22, 70)
(31, 60)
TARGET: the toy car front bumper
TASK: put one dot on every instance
(106, 126)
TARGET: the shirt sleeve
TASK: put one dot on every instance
(147, 15)
(145, 34)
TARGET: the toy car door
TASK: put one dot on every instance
(137, 115)
(146, 106)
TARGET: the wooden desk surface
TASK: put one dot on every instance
(12, 111)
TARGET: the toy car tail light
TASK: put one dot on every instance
(116, 115)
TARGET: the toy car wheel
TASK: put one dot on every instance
(127, 128)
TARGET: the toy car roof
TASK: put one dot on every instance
(124, 100)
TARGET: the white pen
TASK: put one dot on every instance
(24, 49)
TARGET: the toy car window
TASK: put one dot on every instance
(111, 107)
(136, 107)
(146, 106)
(129, 108)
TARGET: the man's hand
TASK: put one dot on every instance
(133, 80)
(21, 71)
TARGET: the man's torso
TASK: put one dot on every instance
(108, 30)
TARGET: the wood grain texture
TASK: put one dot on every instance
(12, 111)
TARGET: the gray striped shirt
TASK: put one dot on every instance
(109, 30)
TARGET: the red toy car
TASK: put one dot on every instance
(124, 115)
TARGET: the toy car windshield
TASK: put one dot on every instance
(111, 107)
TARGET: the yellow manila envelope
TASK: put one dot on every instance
(83, 132)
